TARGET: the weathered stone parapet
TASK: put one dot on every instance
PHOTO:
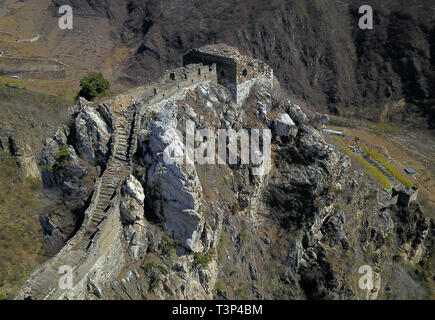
(174, 81)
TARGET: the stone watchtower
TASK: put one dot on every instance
(236, 72)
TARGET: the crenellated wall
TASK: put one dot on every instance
(174, 81)
(235, 71)
(96, 251)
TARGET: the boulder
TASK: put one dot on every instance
(25, 158)
(319, 120)
(132, 201)
(92, 135)
(297, 114)
(312, 145)
(283, 126)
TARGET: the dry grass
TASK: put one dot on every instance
(21, 243)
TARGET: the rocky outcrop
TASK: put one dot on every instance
(284, 126)
(175, 186)
(161, 225)
(25, 158)
(312, 145)
(132, 214)
(70, 182)
(92, 134)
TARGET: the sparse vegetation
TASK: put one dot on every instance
(155, 272)
(369, 169)
(343, 145)
(167, 245)
(223, 241)
(317, 202)
(21, 244)
(15, 84)
(62, 157)
(203, 259)
(341, 122)
(244, 237)
(385, 128)
(220, 285)
(241, 292)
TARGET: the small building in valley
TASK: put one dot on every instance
(410, 170)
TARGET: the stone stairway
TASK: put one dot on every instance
(44, 282)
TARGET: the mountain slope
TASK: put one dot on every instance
(316, 47)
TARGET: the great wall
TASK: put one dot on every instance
(89, 244)
(95, 251)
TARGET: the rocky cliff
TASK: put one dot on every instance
(142, 227)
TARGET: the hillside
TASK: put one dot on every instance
(26, 118)
(88, 184)
(319, 53)
(297, 221)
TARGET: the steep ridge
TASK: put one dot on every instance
(83, 251)
(44, 281)
(159, 230)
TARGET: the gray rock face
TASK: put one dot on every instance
(297, 114)
(283, 126)
(175, 187)
(25, 158)
(312, 145)
(319, 120)
(309, 211)
(132, 202)
(92, 134)
(72, 183)
(132, 215)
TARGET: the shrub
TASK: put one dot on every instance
(62, 157)
(241, 292)
(220, 285)
(203, 259)
(167, 244)
(317, 202)
(397, 258)
(244, 237)
(93, 85)
(387, 166)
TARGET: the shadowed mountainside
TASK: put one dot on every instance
(316, 47)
